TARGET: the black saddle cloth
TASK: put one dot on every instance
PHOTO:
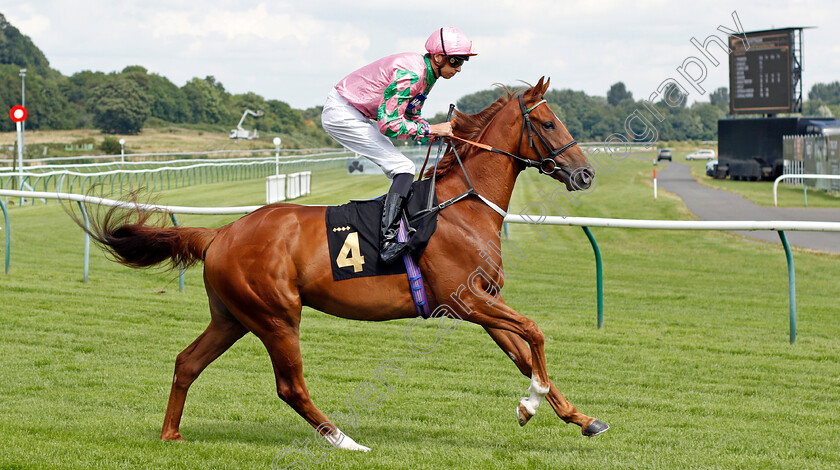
(353, 234)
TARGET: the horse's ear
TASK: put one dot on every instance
(541, 87)
(538, 87)
(536, 90)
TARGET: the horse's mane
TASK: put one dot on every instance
(470, 127)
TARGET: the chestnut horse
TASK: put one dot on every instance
(261, 269)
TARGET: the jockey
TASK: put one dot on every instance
(383, 100)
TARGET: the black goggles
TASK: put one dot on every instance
(457, 60)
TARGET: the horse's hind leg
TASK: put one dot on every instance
(223, 331)
(517, 349)
(283, 347)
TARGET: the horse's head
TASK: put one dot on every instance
(545, 141)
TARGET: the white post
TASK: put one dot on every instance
(122, 150)
(654, 184)
(19, 127)
(277, 156)
(293, 185)
(305, 182)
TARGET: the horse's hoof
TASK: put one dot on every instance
(595, 427)
(343, 441)
(523, 415)
(172, 437)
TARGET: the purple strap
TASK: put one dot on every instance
(415, 278)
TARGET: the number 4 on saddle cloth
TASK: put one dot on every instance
(353, 236)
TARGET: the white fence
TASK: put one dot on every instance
(584, 222)
(275, 189)
(39, 162)
(279, 188)
(167, 175)
(799, 178)
(740, 225)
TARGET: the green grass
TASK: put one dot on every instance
(692, 370)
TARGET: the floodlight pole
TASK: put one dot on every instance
(22, 103)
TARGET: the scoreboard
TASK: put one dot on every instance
(761, 72)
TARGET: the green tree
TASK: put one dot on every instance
(120, 106)
(476, 102)
(9, 94)
(586, 117)
(81, 84)
(18, 49)
(618, 93)
(673, 94)
(706, 115)
(137, 73)
(110, 145)
(829, 93)
(45, 100)
(169, 102)
(206, 99)
(720, 98)
(280, 117)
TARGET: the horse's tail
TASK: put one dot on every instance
(135, 240)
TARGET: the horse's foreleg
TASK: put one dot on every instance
(520, 353)
(500, 316)
(216, 339)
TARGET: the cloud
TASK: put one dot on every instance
(513, 41)
(30, 23)
(279, 27)
(296, 50)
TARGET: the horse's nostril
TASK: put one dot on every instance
(582, 178)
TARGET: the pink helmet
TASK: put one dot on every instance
(449, 41)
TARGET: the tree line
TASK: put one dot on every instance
(123, 102)
(594, 118)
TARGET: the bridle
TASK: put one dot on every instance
(546, 164)
(543, 164)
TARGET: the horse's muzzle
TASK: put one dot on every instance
(582, 178)
(579, 179)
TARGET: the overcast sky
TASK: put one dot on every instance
(296, 50)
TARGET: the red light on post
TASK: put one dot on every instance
(18, 113)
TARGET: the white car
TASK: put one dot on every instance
(705, 154)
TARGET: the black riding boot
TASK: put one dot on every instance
(390, 248)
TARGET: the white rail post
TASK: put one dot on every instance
(277, 155)
(654, 184)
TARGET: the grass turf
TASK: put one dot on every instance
(692, 370)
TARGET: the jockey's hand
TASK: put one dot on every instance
(443, 129)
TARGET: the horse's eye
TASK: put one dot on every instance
(548, 125)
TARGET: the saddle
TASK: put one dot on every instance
(353, 233)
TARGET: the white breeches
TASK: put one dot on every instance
(350, 128)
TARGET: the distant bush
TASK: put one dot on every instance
(110, 145)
